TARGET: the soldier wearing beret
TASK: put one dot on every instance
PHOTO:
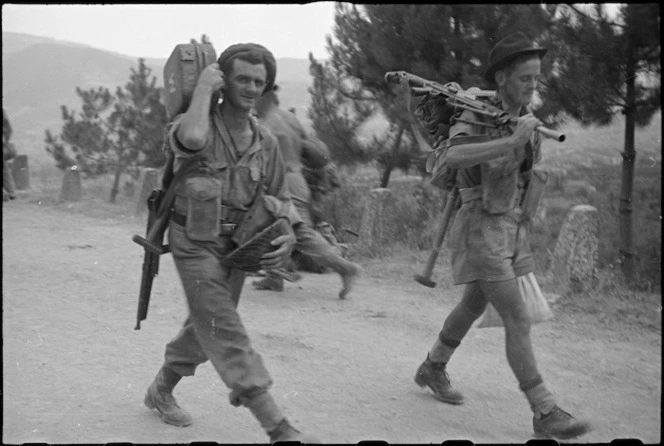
(293, 142)
(229, 161)
(489, 237)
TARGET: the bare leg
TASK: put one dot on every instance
(458, 322)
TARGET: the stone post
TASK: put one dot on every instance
(557, 178)
(20, 172)
(150, 182)
(371, 228)
(574, 260)
(71, 185)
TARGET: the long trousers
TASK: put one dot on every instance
(312, 243)
(213, 330)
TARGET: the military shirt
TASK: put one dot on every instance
(502, 177)
(240, 176)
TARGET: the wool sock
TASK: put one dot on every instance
(541, 399)
(442, 350)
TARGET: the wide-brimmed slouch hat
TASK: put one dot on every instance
(507, 50)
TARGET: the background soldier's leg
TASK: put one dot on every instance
(311, 243)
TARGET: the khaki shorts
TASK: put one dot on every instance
(488, 247)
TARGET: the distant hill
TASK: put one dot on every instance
(40, 74)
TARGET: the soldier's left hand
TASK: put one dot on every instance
(275, 259)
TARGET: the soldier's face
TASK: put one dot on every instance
(245, 84)
(519, 83)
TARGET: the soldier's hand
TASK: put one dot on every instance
(275, 259)
(525, 125)
(212, 77)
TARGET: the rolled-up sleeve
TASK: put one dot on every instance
(463, 128)
(177, 147)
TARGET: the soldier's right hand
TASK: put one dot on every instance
(525, 125)
(212, 77)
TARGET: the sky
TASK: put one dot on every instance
(152, 30)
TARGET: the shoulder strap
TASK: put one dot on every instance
(261, 140)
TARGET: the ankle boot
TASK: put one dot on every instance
(349, 277)
(434, 375)
(273, 421)
(286, 432)
(559, 424)
(270, 282)
(160, 397)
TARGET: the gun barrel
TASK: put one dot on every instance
(560, 137)
(463, 99)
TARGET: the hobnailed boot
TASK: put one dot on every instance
(434, 375)
(291, 276)
(559, 424)
(269, 415)
(269, 283)
(160, 397)
(286, 432)
(349, 277)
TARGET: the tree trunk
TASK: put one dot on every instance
(385, 178)
(629, 156)
(390, 166)
(116, 183)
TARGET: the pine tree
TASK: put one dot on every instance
(439, 42)
(604, 67)
(113, 133)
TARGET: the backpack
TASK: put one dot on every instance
(181, 72)
(435, 116)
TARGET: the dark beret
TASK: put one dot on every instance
(254, 53)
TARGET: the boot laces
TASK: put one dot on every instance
(168, 398)
(442, 369)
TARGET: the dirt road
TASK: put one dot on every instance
(75, 371)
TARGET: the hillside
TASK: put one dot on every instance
(40, 74)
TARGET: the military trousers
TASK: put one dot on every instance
(312, 243)
(213, 329)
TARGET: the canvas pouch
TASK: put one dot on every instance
(534, 192)
(203, 208)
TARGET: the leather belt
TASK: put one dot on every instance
(224, 228)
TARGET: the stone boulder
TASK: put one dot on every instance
(371, 228)
(574, 259)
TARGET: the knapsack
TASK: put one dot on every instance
(181, 72)
(434, 115)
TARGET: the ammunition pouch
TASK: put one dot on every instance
(203, 208)
(533, 193)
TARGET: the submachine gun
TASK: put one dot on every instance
(159, 204)
(463, 99)
(456, 99)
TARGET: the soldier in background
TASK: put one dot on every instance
(296, 145)
(8, 153)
